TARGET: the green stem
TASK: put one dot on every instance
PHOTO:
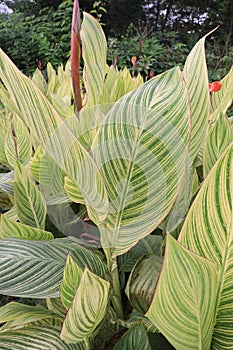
(113, 269)
(87, 344)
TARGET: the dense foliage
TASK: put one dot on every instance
(118, 218)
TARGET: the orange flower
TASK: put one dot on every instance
(215, 87)
(134, 60)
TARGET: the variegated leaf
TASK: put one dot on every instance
(141, 283)
(16, 315)
(141, 150)
(34, 269)
(17, 143)
(218, 139)
(88, 308)
(94, 48)
(208, 231)
(36, 338)
(183, 306)
(56, 137)
(196, 76)
(29, 203)
(71, 278)
(10, 228)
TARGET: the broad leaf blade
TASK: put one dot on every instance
(34, 269)
(17, 144)
(87, 309)
(71, 278)
(20, 314)
(222, 99)
(218, 139)
(196, 76)
(141, 283)
(183, 306)
(141, 149)
(36, 338)
(208, 231)
(29, 203)
(10, 228)
(56, 137)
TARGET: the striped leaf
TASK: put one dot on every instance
(49, 176)
(3, 133)
(88, 308)
(29, 203)
(6, 182)
(11, 214)
(134, 338)
(73, 191)
(17, 315)
(208, 231)
(36, 338)
(71, 278)
(196, 76)
(10, 228)
(149, 245)
(222, 99)
(56, 137)
(183, 306)
(55, 305)
(178, 212)
(34, 269)
(94, 49)
(141, 149)
(17, 143)
(218, 139)
(141, 283)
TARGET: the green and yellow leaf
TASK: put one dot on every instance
(183, 306)
(29, 203)
(88, 308)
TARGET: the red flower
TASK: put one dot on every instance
(134, 60)
(215, 87)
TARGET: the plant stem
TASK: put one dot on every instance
(87, 344)
(113, 269)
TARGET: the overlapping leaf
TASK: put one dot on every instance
(218, 139)
(34, 269)
(222, 99)
(56, 137)
(88, 308)
(208, 231)
(36, 338)
(29, 203)
(71, 278)
(17, 143)
(134, 338)
(10, 228)
(141, 283)
(141, 150)
(16, 315)
(184, 303)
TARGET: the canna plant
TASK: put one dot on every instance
(118, 215)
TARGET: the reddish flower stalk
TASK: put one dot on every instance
(75, 55)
